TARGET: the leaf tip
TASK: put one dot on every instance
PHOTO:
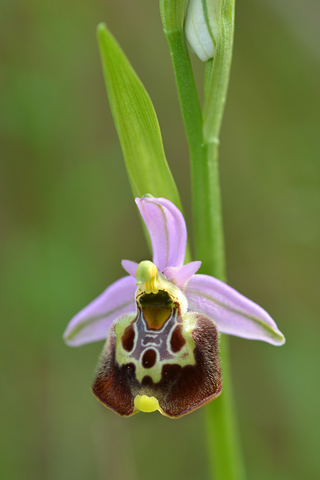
(101, 30)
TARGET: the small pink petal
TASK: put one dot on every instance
(233, 313)
(93, 322)
(181, 275)
(167, 230)
(130, 267)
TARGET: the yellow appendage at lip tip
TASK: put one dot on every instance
(146, 404)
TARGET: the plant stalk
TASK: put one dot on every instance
(225, 454)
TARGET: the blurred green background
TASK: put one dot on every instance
(68, 218)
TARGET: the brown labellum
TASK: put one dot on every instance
(183, 378)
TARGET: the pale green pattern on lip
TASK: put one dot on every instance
(184, 357)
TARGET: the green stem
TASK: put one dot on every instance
(172, 14)
(203, 139)
(226, 459)
(225, 454)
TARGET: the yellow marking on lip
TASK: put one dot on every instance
(146, 404)
(156, 316)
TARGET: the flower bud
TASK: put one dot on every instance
(201, 27)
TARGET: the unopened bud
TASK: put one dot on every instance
(201, 27)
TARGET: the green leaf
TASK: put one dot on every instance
(136, 123)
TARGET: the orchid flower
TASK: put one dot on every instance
(162, 325)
